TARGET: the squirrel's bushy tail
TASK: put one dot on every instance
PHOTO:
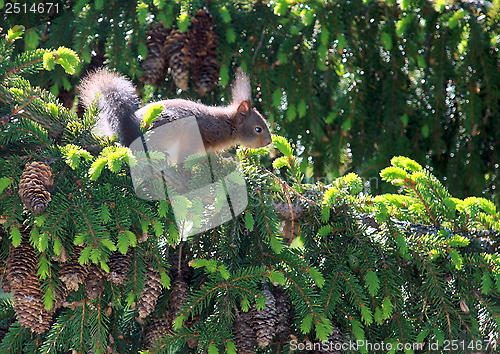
(117, 102)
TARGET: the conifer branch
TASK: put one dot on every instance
(15, 70)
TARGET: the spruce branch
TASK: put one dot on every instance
(32, 64)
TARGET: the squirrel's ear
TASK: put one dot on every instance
(241, 88)
(244, 108)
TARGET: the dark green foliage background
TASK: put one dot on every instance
(353, 82)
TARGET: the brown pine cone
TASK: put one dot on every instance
(158, 328)
(201, 33)
(27, 298)
(21, 264)
(283, 305)
(206, 75)
(178, 295)
(150, 293)
(202, 48)
(244, 335)
(119, 265)
(72, 273)
(94, 282)
(264, 321)
(29, 306)
(35, 185)
(155, 65)
(175, 48)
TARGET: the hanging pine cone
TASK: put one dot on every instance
(94, 282)
(201, 34)
(22, 262)
(35, 185)
(175, 49)
(206, 75)
(72, 273)
(264, 321)
(29, 306)
(150, 293)
(158, 328)
(161, 326)
(119, 265)
(202, 44)
(178, 295)
(154, 65)
(27, 298)
(282, 315)
(244, 335)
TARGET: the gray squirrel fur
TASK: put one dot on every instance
(221, 127)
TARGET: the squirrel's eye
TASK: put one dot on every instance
(258, 129)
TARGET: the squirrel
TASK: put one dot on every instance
(220, 127)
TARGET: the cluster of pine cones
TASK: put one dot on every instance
(192, 53)
(21, 273)
(22, 280)
(22, 264)
(253, 329)
(162, 325)
(258, 329)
